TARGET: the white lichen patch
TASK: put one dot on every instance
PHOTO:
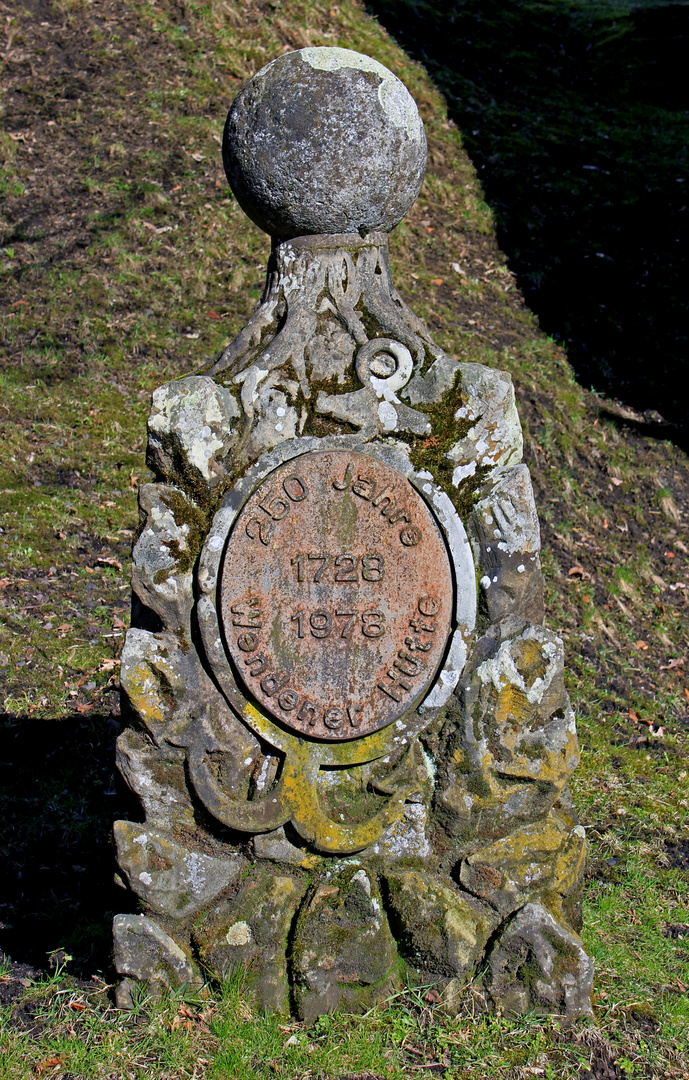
(507, 514)
(239, 934)
(502, 669)
(495, 439)
(396, 101)
(191, 419)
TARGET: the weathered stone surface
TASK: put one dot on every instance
(516, 747)
(145, 953)
(363, 171)
(442, 930)
(249, 933)
(157, 780)
(168, 877)
(544, 857)
(153, 676)
(406, 838)
(189, 431)
(277, 847)
(344, 955)
(322, 293)
(164, 554)
(495, 437)
(506, 538)
(538, 964)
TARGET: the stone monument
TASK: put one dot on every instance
(347, 723)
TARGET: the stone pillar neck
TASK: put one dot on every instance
(317, 242)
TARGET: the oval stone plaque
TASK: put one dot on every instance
(336, 595)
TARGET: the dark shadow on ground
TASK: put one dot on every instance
(576, 117)
(58, 799)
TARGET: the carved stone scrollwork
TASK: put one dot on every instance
(329, 301)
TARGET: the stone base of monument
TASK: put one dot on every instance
(348, 727)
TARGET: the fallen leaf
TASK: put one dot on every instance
(614, 480)
(198, 157)
(103, 560)
(458, 270)
(78, 1006)
(675, 662)
(109, 665)
(213, 315)
(576, 571)
(436, 281)
(641, 645)
(49, 1063)
(633, 715)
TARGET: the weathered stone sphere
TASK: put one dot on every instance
(324, 141)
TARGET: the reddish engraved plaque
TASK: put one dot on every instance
(336, 595)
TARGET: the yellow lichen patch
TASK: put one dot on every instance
(531, 662)
(142, 689)
(299, 789)
(544, 857)
(513, 705)
(569, 862)
(543, 837)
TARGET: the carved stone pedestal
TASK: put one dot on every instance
(349, 731)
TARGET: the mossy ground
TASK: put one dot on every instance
(125, 262)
